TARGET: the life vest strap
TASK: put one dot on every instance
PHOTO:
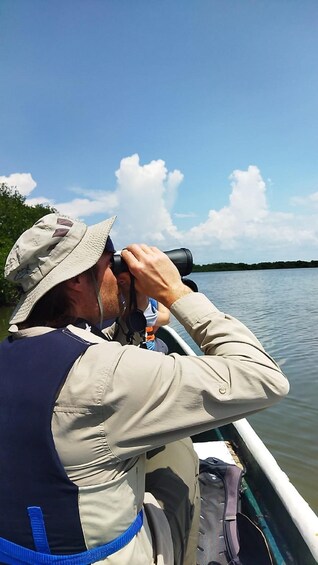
(14, 554)
(38, 529)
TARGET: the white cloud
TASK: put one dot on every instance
(143, 197)
(245, 229)
(106, 203)
(182, 215)
(248, 198)
(145, 194)
(23, 182)
(174, 179)
(304, 200)
(247, 209)
(297, 201)
(96, 202)
(39, 200)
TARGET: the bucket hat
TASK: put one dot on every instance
(55, 249)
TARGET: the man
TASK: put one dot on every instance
(156, 315)
(86, 418)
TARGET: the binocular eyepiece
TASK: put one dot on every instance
(182, 259)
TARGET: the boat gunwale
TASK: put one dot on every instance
(297, 508)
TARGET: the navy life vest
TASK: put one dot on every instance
(32, 370)
(38, 502)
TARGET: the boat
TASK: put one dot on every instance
(268, 498)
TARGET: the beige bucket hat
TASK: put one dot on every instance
(55, 249)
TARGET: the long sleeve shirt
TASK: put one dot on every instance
(120, 401)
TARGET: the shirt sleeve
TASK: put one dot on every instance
(152, 399)
(151, 314)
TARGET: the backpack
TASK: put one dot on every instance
(226, 536)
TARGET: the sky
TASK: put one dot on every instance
(194, 121)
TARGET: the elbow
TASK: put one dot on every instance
(284, 387)
(279, 386)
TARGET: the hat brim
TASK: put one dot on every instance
(83, 257)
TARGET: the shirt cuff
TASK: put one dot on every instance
(193, 307)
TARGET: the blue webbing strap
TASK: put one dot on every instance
(38, 529)
(13, 554)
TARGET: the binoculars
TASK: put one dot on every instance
(182, 259)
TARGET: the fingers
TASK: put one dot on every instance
(130, 258)
(140, 256)
(155, 274)
(140, 250)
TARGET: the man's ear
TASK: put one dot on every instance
(76, 283)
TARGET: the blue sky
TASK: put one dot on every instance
(195, 121)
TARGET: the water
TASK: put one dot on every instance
(281, 308)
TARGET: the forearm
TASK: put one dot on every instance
(232, 348)
(163, 315)
(214, 332)
(174, 396)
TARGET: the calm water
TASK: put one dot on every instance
(281, 308)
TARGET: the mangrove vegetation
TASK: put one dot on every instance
(15, 217)
(254, 266)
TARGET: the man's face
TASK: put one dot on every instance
(108, 287)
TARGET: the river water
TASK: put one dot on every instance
(281, 308)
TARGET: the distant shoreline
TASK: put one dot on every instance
(254, 266)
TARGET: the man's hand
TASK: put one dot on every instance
(155, 274)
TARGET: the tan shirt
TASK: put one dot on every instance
(118, 402)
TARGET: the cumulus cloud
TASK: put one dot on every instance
(246, 210)
(247, 230)
(244, 229)
(248, 198)
(23, 182)
(145, 195)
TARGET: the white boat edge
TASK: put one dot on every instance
(299, 510)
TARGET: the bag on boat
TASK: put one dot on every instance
(226, 536)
